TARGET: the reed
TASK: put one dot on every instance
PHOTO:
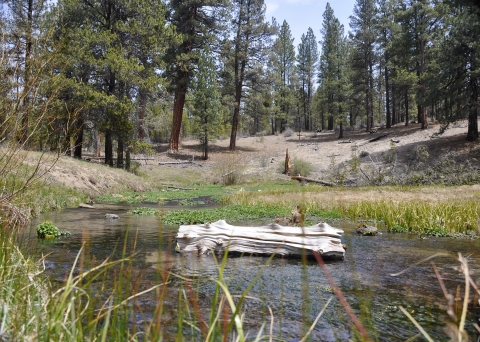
(429, 210)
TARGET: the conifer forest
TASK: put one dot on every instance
(115, 74)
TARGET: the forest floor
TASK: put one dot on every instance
(352, 160)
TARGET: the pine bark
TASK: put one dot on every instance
(178, 105)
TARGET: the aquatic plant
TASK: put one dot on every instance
(47, 230)
(144, 211)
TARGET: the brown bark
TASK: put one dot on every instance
(406, 108)
(99, 144)
(424, 118)
(178, 105)
(394, 108)
(120, 153)
(472, 134)
(108, 148)
(387, 99)
(239, 76)
(77, 151)
(141, 114)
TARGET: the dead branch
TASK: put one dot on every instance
(311, 180)
(378, 138)
(229, 173)
(177, 188)
(177, 162)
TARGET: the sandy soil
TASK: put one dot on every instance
(319, 149)
(262, 157)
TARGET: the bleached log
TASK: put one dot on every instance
(219, 237)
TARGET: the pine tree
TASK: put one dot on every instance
(333, 76)
(206, 99)
(106, 45)
(363, 39)
(197, 22)
(386, 29)
(458, 58)
(283, 65)
(307, 66)
(420, 19)
(250, 43)
(24, 21)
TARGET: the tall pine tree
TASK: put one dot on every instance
(307, 66)
(333, 75)
(363, 37)
(197, 22)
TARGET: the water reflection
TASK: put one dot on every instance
(296, 292)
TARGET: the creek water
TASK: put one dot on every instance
(295, 291)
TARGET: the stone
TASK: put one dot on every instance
(365, 230)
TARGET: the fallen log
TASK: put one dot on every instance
(219, 237)
(345, 142)
(177, 187)
(177, 162)
(311, 180)
(378, 138)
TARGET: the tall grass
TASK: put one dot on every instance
(437, 211)
(442, 217)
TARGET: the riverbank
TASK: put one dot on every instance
(442, 200)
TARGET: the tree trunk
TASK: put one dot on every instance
(68, 144)
(127, 159)
(77, 152)
(330, 123)
(424, 118)
(120, 153)
(323, 119)
(205, 138)
(99, 144)
(178, 104)
(340, 136)
(141, 113)
(367, 108)
(108, 148)
(394, 108)
(472, 134)
(239, 75)
(406, 108)
(387, 99)
(26, 84)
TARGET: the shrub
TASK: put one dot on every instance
(288, 132)
(420, 153)
(391, 155)
(301, 167)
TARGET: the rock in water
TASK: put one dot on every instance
(112, 216)
(365, 230)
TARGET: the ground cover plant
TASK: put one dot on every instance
(47, 230)
(144, 211)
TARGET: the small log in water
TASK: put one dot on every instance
(218, 237)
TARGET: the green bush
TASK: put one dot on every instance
(301, 167)
(47, 230)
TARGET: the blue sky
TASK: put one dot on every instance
(302, 14)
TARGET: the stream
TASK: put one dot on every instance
(295, 292)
